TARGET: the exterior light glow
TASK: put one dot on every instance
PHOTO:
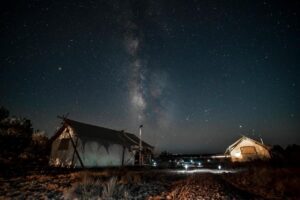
(154, 164)
(186, 166)
(219, 167)
(237, 154)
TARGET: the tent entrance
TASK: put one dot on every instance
(249, 152)
(64, 144)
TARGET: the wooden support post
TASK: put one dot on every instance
(123, 155)
(73, 157)
(75, 149)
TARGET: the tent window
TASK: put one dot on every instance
(248, 150)
(64, 144)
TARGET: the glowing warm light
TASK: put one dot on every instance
(237, 154)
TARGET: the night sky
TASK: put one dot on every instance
(196, 74)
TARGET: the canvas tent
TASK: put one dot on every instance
(83, 145)
(246, 149)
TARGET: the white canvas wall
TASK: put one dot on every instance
(95, 155)
(61, 157)
(92, 153)
(237, 156)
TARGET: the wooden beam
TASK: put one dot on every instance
(75, 149)
(123, 155)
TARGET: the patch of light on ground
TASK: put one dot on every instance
(203, 170)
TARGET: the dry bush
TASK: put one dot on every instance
(268, 182)
(86, 188)
(131, 178)
(109, 188)
(96, 185)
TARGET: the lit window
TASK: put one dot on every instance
(248, 150)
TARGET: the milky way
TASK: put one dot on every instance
(146, 84)
(196, 74)
(136, 72)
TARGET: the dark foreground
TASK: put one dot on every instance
(122, 184)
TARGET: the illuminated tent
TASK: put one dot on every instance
(83, 145)
(246, 149)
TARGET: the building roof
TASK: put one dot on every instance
(106, 136)
(242, 139)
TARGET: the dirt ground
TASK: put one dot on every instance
(120, 184)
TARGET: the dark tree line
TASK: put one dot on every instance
(290, 156)
(18, 141)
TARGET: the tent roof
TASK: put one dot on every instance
(242, 139)
(87, 132)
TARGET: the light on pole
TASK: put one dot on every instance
(140, 146)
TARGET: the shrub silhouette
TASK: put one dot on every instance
(15, 134)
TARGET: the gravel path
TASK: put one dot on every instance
(204, 186)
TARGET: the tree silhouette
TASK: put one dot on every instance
(15, 134)
(4, 113)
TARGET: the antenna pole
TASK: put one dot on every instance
(261, 140)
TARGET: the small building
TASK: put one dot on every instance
(246, 149)
(77, 144)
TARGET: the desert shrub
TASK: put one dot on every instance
(4, 113)
(87, 188)
(290, 156)
(19, 145)
(267, 181)
(91, 185)
(15, 135)
(109, 188)
(131, 178)
(39, 148)
(292, 153)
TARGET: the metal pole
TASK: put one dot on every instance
(140, 153)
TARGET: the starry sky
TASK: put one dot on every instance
(196, 74)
